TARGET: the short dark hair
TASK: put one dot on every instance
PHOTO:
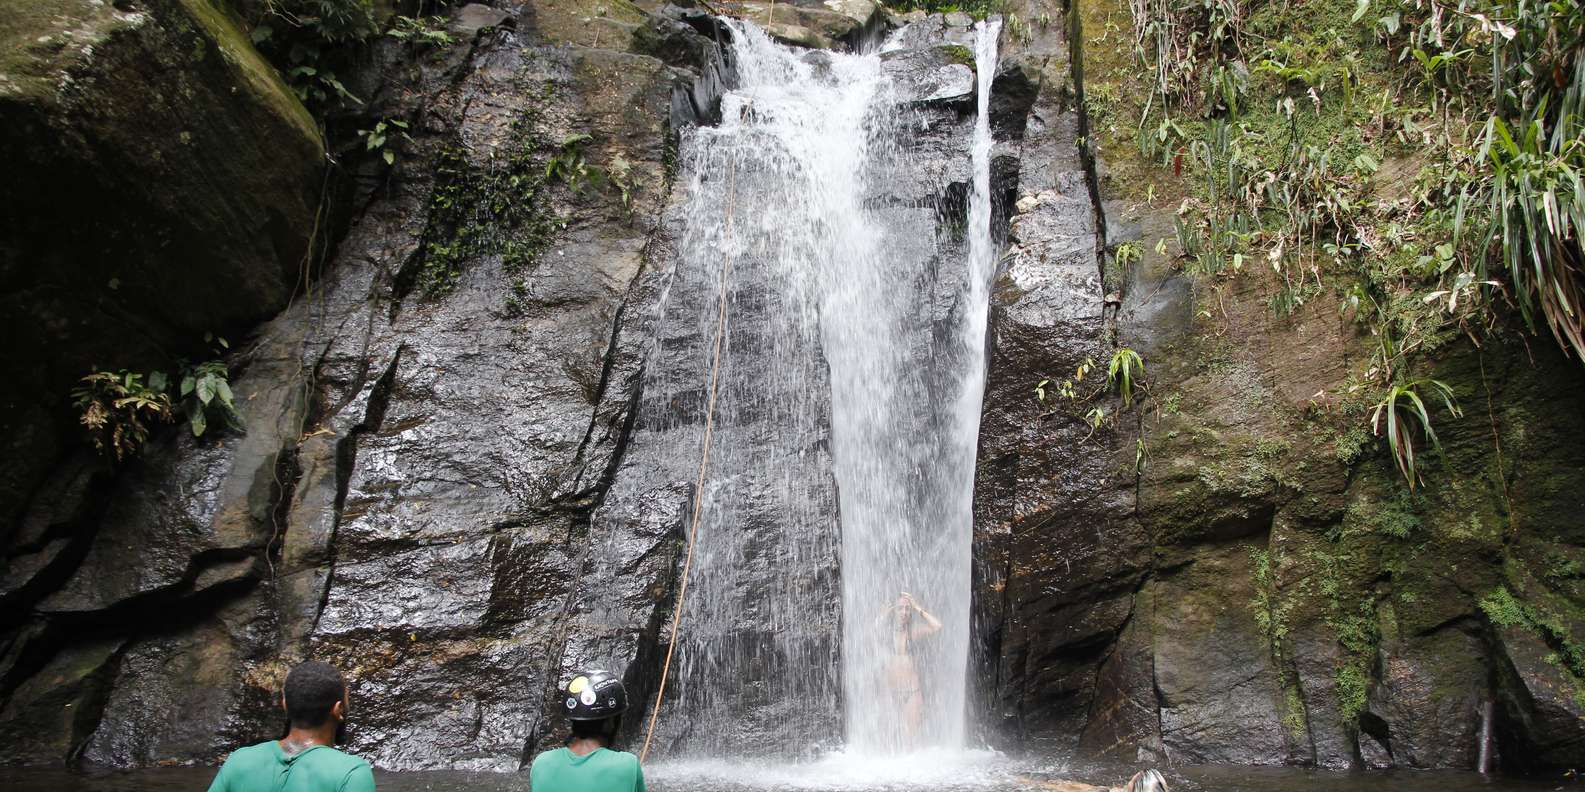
(603, 729)
(312, 688)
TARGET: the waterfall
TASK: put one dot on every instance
(848, 407)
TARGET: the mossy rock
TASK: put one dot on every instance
(164, 183)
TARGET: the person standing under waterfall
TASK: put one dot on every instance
(316, 702)
(594, 702)
(902, 668)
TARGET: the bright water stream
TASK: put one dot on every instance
(835, 286)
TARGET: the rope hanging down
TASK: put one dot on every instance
(704, 463)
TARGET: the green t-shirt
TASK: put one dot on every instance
(602, 770)
(265, 768)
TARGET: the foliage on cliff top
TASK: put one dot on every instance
(311, 41)
(1417, 161)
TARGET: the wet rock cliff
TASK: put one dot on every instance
(1231, 569)
(472, 436)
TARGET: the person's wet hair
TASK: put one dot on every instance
(312, 688)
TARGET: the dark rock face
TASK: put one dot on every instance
(412, 500)
(162, 182)
(459, 496)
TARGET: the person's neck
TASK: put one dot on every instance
(583, 746)
(299, 738)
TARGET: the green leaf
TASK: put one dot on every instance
(223, 390)
(1360, 8)
(390, 157)
(206, 388)
(157, 381)
(199, 423)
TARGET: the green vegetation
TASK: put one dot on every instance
(1417, 161)
(497, 208)
(1397, 517)
(1503, 609)
(1122, 376)
(118, 410)
(206, 395)
(1126, 367)
(311, 41)
(1273, 615)
(1400, 439)
(308, 40)
(420, 31)
(384, 138)
(979, 9)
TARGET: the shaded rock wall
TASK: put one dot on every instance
(412, 498)
(162, 183)
(1232, 571)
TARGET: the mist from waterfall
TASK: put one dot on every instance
(787, 197)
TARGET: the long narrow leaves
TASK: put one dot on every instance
(1393, 415)
(1126, 367)
(1533, 144)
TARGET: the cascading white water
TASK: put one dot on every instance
(789, 193)
(905, 471)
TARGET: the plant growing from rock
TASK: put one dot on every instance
(206, 395)
(309, 39)
(1393, 414)
(383, 138)
(1123, 372)
(420, 31)
(119, 408)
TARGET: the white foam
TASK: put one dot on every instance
(959, 769)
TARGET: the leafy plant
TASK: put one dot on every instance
(309, 39)
(380, 138)
(1130, 252)
(119, 408)
(568, 166)
(1401, 403)
(1537, 206)
(1123, 372)
(1067, 389)
(206, 395)
(420, 31)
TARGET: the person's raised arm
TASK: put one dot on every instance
(931, 623)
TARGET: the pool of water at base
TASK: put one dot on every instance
(968, 771)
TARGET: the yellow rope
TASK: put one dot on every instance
(704, 462)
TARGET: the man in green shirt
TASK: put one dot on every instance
(316, 701)
(594, 702)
